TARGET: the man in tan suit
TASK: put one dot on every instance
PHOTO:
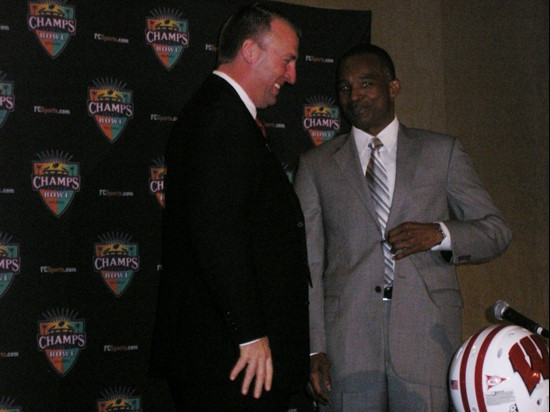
(389, 213)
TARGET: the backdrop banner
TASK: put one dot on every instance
(89, 92)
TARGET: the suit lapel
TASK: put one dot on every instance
(404, 177)
(348, 161)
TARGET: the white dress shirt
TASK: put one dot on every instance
(388, 156)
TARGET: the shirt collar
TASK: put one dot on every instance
(388, 136)
(242, 94)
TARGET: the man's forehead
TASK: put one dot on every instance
(281, 29)
(361, 65)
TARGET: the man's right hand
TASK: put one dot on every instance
(319, 368)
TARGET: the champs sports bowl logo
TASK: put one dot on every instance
(7, 98)
(156, 180)
(111, 106)
(61, 337)
(7, 405)
(321, 119)
(119, 399)
(57, 179)
(10, 263)
(53, 23)
(167, 34)
(116, 259)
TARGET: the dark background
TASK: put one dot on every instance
(56, 278)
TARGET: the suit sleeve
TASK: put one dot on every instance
(478, 232)
(311, 206)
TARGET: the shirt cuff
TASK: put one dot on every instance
(446, 243)
(248, 343)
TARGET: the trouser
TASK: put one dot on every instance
(224, 397)
(387, 391)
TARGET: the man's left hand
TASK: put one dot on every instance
(256, 359)
(413, 237)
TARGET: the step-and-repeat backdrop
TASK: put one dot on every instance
(89, 91)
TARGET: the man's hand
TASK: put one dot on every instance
(319, 367)
(412, 237)
(256, 358)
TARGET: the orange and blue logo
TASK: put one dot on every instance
(53, 23)
(119, 399)
(111, 106)
(7, 405)
(116, 259)
(168, 35)
(321, 119)
(61, 337)
(57, 179)
(7, 98)
(10, 262)
(156, 181)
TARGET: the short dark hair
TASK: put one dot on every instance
(371, 49)
(252, 21)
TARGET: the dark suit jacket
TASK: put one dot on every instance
(234, 253)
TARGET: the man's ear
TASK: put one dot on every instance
(395, 87)
(249, 50)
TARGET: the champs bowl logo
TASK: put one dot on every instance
(116, 259)
(168, 35)
(53, 22)
(156, 181)
(111, 106)
(57, 179)
(61, 337)
(321, 119)
(10, 262)
(7, 405)
(7, 98)
(119, 399)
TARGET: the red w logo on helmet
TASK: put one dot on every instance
(530, 373)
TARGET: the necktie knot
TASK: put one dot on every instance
(375, 144)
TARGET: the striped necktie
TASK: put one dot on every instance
(378, 185)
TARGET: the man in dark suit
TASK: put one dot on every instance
(389, 212)
(232, 323)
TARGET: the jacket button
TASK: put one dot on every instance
(300, 224)
(378, 289)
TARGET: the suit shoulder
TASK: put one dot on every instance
(326, 149)
(428, 137)
(213, 95)
(426, 134)
(213, 106)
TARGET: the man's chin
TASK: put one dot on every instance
(270, 102)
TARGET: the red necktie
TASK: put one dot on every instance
(261, 126)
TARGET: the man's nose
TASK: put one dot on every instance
(356, 94)
(290, 74)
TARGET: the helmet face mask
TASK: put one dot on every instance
(501, 368)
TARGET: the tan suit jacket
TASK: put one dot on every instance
(435, 181)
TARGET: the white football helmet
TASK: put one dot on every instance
(501, 368)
